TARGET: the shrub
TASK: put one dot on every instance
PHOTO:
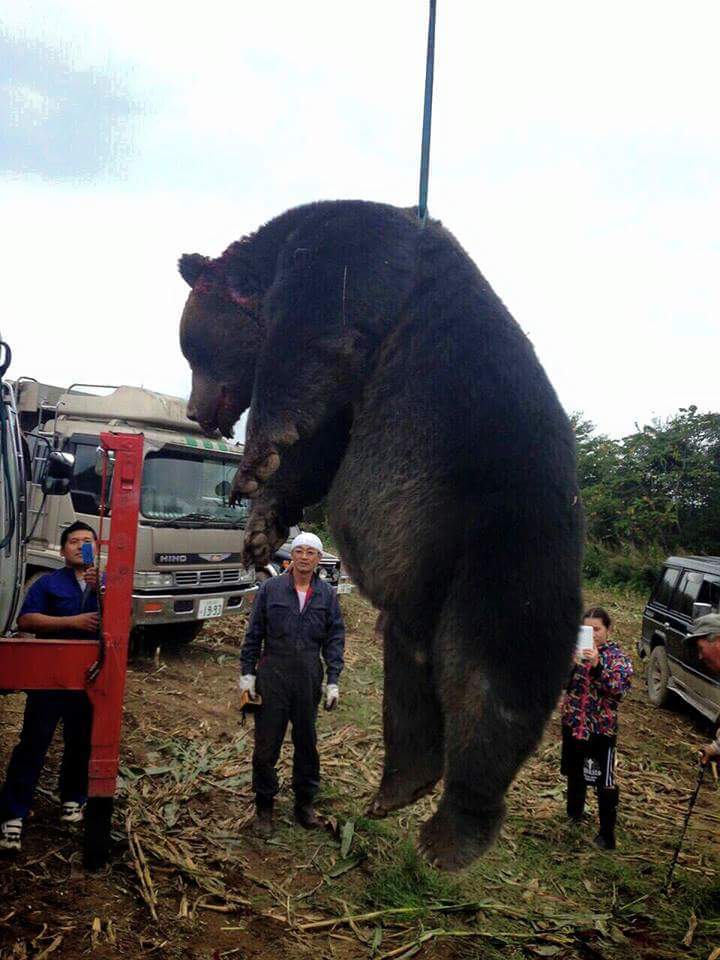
(624, 566)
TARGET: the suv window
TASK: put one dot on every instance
(664, 589)
(710, 592)
(687, 593)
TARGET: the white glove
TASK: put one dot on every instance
(247, 682)
(710, 752)
(332, 695)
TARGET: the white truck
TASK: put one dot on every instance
(13, 513)
(189, 551)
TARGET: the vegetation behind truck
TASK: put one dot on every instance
(189, 549)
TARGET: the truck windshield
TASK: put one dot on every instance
(179, 486)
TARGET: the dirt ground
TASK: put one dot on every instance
(188, 881)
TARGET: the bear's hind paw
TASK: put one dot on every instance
(452, 840)
(390, 798)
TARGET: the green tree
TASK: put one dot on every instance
(659, 486)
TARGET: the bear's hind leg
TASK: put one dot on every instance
(500, 671)
(412, 723)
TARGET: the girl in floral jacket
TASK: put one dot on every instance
(589, 725)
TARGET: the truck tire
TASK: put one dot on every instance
(657, 676)
(172, 634)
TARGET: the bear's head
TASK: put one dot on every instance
(221, 333)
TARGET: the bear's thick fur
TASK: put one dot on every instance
(380, 368)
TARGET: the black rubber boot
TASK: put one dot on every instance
(96, 843)
(263, 825)
(608, 798)
(306, 816)
(576, 791)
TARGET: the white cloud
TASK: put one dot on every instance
(27, 105)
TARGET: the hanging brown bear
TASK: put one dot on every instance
(382, 370)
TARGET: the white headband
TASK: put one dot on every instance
(307, 540)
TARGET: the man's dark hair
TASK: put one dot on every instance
(73, 528)
(598, 613)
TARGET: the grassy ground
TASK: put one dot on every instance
(188, 880)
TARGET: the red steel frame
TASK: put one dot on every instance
(64, 664)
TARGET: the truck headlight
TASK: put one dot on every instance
(152, 579)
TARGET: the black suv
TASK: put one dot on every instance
(688, 588)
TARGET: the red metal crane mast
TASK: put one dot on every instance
(97, 667)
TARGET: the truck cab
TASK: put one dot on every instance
(189, 550)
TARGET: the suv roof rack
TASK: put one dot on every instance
(696, 561)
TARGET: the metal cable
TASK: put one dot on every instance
(427, 116)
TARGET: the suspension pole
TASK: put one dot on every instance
(427, 116)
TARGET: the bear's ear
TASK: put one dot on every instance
(191, 265)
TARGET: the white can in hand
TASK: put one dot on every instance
(585, 644)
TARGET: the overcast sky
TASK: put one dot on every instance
(575, 156)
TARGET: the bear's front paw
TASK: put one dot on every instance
(452, 839)
(263, 535)
(256, 550)
(253, 472)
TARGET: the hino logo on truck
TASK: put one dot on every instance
(197, 558)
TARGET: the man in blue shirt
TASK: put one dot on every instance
(60, 605)
(296, 619)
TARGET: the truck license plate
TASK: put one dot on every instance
(344, 588)
(210, 608)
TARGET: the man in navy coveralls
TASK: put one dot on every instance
(295, 621)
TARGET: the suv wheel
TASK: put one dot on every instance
(658, 675)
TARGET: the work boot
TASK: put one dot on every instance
(263, 823)
(10, 834)
(608, 798)
(306, 816)
(72, 812)
(606, 841)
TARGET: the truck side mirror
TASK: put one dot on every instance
(58, 472)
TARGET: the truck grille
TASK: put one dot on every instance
(206, 578)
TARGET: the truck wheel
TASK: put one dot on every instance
(657, 676)
(172, 634)
(96, 841)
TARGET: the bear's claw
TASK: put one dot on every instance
(255, 470)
